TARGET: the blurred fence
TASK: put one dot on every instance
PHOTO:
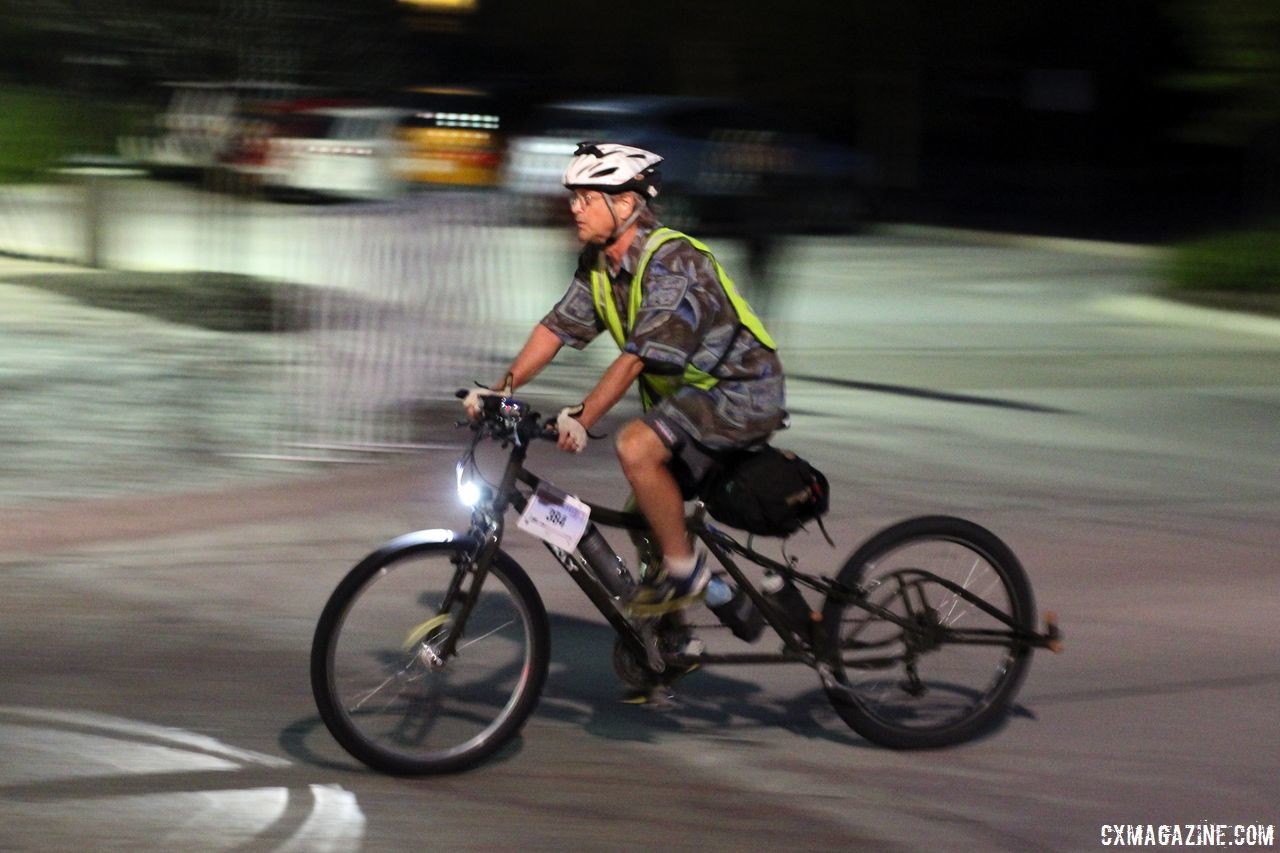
(381, 309)
(44, 221)
(406, 303)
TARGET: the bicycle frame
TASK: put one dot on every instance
(717, 543)
(487, 528)
(899, 597)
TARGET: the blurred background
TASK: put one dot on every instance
(250, 248)
(1148, 120)
(380, 178)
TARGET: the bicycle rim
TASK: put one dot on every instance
(911, 693)
(393, 699)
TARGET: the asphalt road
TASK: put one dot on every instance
(153, 648)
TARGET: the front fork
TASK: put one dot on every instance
(486, 530)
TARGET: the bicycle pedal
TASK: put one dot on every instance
(657, 697)
(661, 700)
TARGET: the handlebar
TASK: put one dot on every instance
(507, 417)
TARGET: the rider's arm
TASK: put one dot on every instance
(537, 352)
(609, 390)
(542, 346)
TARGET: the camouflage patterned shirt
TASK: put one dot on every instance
(685, 317)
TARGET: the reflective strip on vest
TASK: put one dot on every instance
(653, 387)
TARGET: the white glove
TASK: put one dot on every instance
(570, 426)
(472, 402)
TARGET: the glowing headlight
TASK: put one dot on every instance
(469, 493)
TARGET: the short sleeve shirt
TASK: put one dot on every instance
(685, 317)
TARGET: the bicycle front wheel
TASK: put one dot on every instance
(952, 673)
(393, 685)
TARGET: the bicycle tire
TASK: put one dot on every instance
(381, 689)
(960, 691)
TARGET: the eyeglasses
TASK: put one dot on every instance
(582, 199)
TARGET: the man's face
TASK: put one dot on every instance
(591, 216)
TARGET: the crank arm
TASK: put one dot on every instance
(649, 638)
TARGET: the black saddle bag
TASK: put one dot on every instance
(768, 492)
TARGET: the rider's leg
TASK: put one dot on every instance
(655, 456)
(648, 554)
(644, 461)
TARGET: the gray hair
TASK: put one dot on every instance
(648, 215)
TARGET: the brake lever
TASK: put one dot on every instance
(552, 432)
(574, 414)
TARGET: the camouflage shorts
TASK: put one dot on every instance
(690, 461)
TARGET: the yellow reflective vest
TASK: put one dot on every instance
(654, 387)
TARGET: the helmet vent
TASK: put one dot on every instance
(611, 168)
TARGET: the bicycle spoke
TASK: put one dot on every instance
(918, 679)
(396, 677)
(489, 634)
(423, 713)
(955, 599)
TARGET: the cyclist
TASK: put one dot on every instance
(709, 374)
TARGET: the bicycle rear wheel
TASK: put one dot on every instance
(383, 682)
(952, 679)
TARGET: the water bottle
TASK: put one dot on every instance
(606, 565)
(791, 604)
(734, 608)
(718, 592)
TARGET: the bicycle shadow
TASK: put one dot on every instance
(582, 688)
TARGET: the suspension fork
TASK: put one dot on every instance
(488, 529)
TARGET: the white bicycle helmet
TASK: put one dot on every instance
(612, 168)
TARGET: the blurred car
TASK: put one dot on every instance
(196, 124)
(450, 137)
(727, 166)
(261, 127)
(345, 152)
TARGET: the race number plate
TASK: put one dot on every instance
(555, 516)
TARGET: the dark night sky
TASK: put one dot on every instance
(1040, 105)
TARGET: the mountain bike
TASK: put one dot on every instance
(433, 650)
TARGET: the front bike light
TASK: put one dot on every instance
(472, 488)
(469, 492)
